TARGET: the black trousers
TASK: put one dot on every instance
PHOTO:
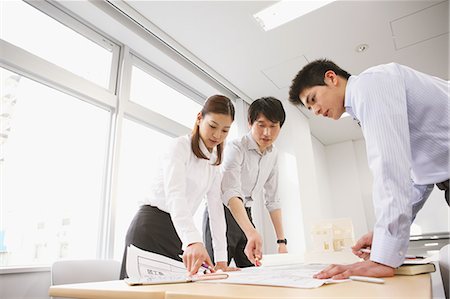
(235, 238)
(152, 230)
(444, 186)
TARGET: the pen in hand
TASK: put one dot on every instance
(208, 268)
(257, 262)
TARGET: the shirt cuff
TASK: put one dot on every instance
(272, 206)
(189, 238)
(220, 256)
(388, 250)
(227, 195)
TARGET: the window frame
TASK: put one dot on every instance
(115, 99)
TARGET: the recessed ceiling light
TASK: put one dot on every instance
(361, 48)
(286, 11)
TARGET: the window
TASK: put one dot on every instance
(53, 41)
(52, 170)
(140, 149)
(153, 94)
(61, 131)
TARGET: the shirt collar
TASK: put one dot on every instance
(253, 145)
(348, 96)
(206, 152)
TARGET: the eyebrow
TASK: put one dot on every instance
(306, 101)
(267, 121)
(308, 98)
(216, 123)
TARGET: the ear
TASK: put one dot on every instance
(199, 118)
(331, 78)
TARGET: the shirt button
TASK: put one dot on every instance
(400, 253)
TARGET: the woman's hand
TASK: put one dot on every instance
(194, 256)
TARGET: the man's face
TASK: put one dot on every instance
(326, 100)
(264, 131)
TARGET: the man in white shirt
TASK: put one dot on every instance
(404, 116)
(250, 172)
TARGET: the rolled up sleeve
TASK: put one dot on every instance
(231, 173)
(271, 198)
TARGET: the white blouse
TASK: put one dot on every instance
(181, 182)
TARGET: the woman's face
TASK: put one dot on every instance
(213, 128)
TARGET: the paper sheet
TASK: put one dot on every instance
(144, 267)
(294, 276)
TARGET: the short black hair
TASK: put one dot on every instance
(312, 75)
(270, 107)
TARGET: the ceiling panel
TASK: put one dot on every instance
(225, 36)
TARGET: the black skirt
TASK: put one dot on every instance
(152, 230)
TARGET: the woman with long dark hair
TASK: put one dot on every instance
(188, 171)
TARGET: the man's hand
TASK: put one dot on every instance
(194, 256)
(224, 267)
(253, 248)
(364, 242)
(365, 268)
(282, 248)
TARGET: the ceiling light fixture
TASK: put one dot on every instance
(286, 11)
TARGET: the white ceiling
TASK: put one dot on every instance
(225, 36)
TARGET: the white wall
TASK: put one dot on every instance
(434, 216)
(351, 186)
(345, 185)
(298, 187)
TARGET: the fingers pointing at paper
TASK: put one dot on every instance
(253, 249)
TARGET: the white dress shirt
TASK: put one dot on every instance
(404, 116)
(250, 174)
(181, 182)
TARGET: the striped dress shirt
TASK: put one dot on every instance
(250, 174)
(404, 116)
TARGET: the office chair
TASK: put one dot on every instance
(79, 271)
(444, 266)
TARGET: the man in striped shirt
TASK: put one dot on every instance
(404, 117)
(250, 174)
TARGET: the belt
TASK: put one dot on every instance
(443, 185)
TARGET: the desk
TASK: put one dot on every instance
(418, 286)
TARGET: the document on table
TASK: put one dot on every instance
(294, 276)
(144, 267)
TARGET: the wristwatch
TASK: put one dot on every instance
(282, 241)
